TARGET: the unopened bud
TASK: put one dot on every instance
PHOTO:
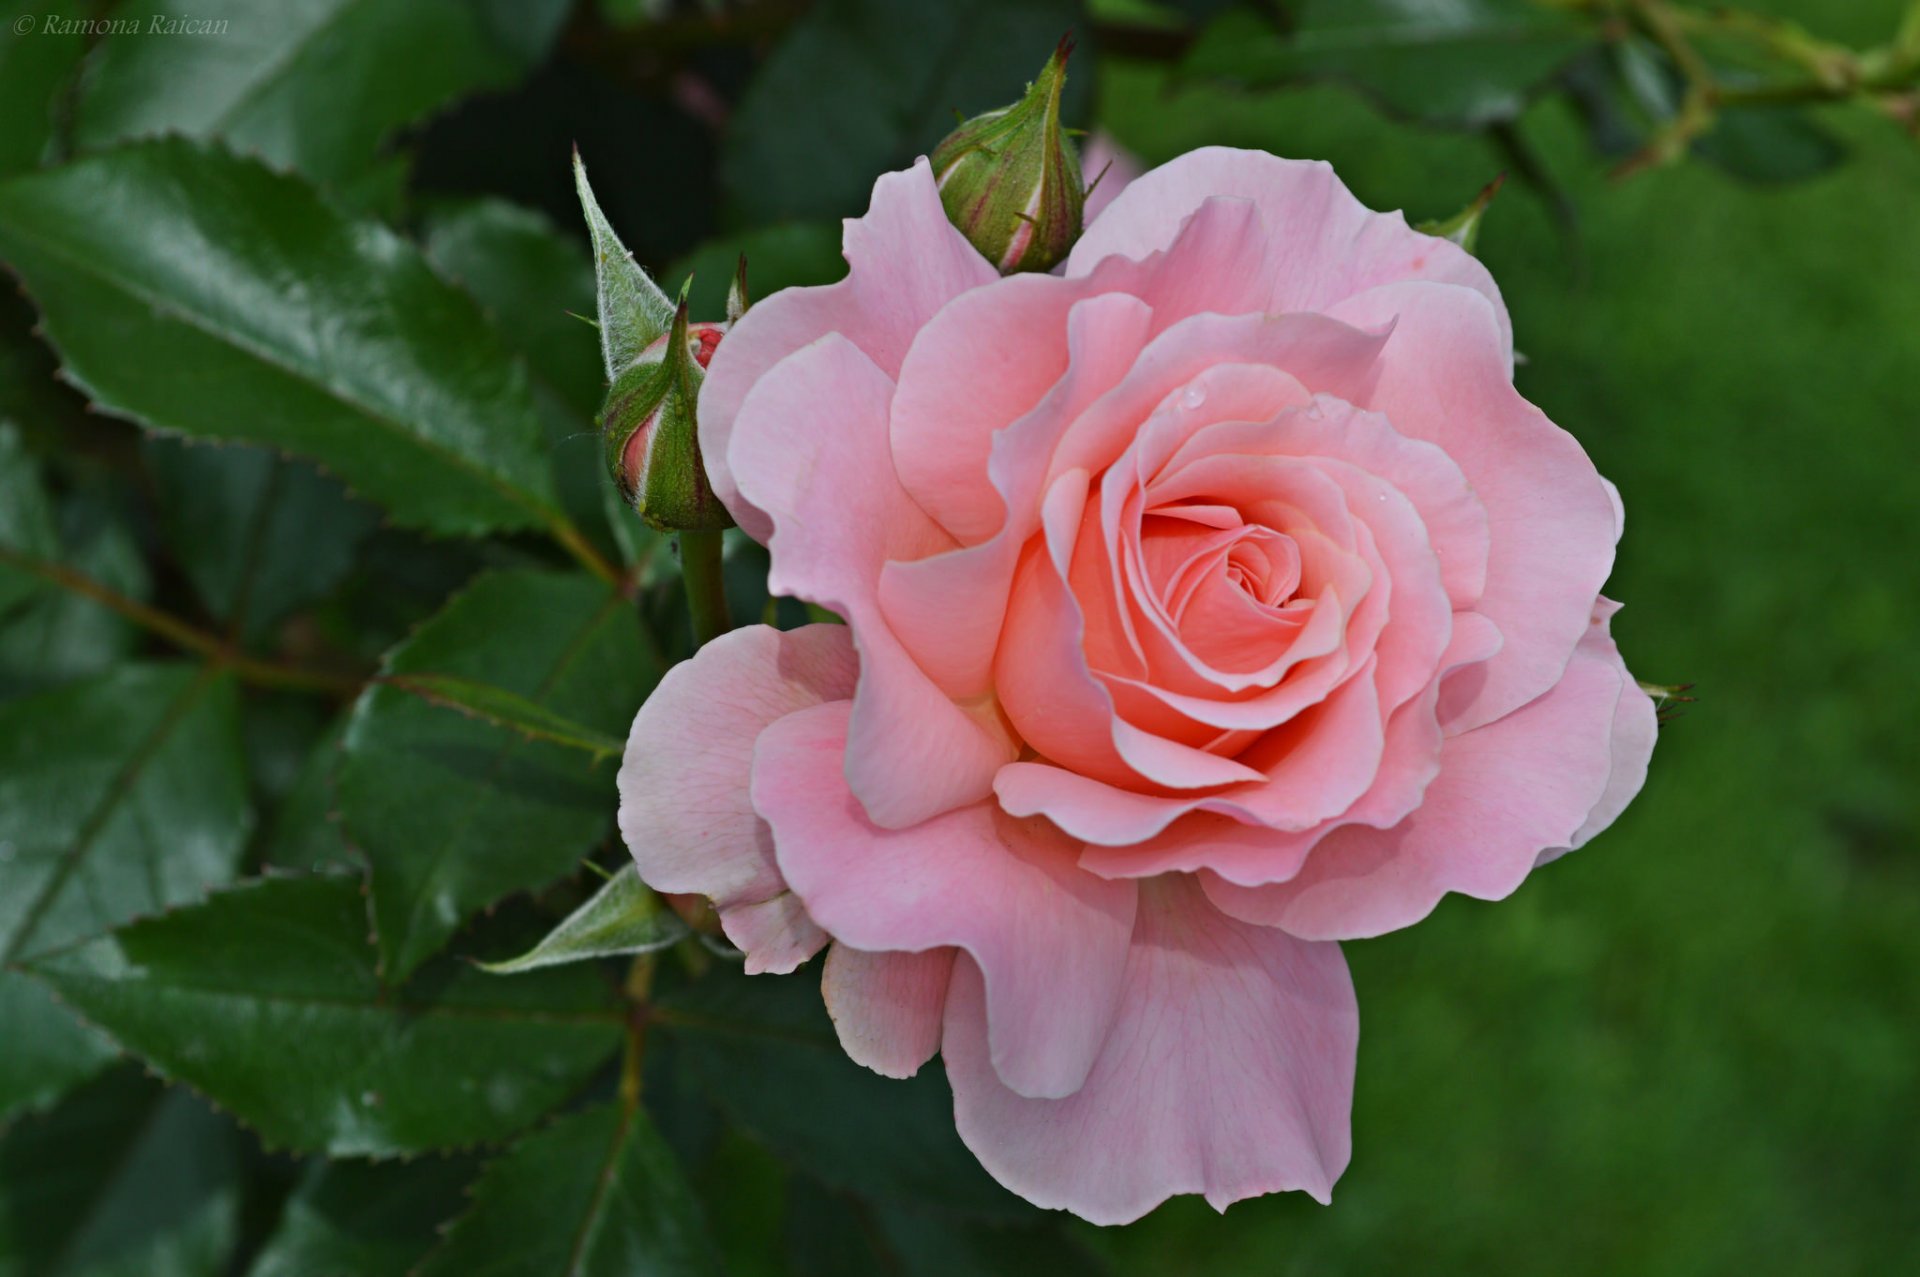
(652, 434)
(1010, 179)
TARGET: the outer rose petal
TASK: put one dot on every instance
(1229, 1072)
(906, 261)
(1051, 939)
(887, 1007)
(1634, 729)
(810, 449)
(1505, 793)
(684, 809)
(1444, 378)
(1322, 243)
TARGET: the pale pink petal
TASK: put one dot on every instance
(684, 809)
(906, 261)
(887, 1007)
(810, 449)
(1322, 244)
(1505, 793)
(1443, 378)
(1051, 939)
(1228, 1072)
(1635, 727)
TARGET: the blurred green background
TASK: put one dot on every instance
(1691, 1048)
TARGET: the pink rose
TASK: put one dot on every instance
(1209, 602)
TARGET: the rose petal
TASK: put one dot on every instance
(905, 262)
(1635, 727)
(1228, 1072)
(810, 449)
(1051, 940)
(887, 1007)
(684, 810)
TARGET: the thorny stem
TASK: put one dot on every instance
(184, 634)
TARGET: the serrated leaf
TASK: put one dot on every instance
(239, 305)
(596, 1194)
(53, 636)
(26, 519)
(34, 67)
(509, 710)
(454, 812)
(364, 1219)
(767, 1054)
(118, 796)
(1465, 63)
(633, 312)
(315, 86)
(622, 917)
(259, 535)
(124, 1179)
(858, 87)
(266, 999)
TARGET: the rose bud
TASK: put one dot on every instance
(1010, 179)
(655, 361)
(651, 431)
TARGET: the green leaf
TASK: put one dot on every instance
(832, 1235)
(535, 285)
(305, 833)
(52, 635)
(118, 796)
(238, 305)
(26, 519)
(510, 710)
(259, 535)
(266, 999)
(315, 86)
(364, 1219)
(35, 65)
(1770, 145)
(454, 812)
(622, 917)
(789, 255)
(766, 1052)
(862, 86)
(596, 1194)
(123, 1179)
(633, 312)
(1465, 63)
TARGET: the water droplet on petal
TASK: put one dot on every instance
(1194, 396)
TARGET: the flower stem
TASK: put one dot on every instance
(706, 588)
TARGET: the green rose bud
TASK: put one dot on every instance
(652, 435)
(1010, 179)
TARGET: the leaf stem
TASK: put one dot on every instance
(638, 986)
(706, 588)
(183, 634)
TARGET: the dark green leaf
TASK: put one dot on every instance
(536, 285)
(54, 636)
(508, 710)
(35, 66)
(862, 86)
(260, 536)
(767, 1053)
(124, 1178)
(305, 833)
(454, 812)
(1457, 62)
(789, 255)
(364, 1219)
(596, 1194)
(47, 1051)
(622, 917)
(1770, 144)
(266, 999)
(833, 1235)
(239, 305)
(118, 796)
(26, 519)
(315, 86)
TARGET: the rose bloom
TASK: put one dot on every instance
(1210, 601)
